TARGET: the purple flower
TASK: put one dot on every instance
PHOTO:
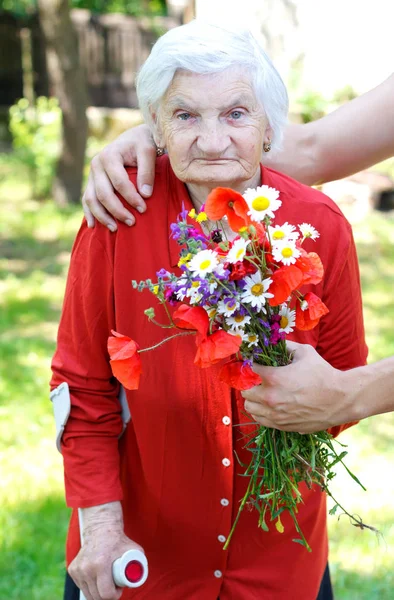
(247, 363)
(171, 297)
(163, 273)
(176, 231)
(183, 214)
(216, 236)
(264, 323)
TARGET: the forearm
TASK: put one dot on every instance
(353, 137)
(104, 516)
(369, 390)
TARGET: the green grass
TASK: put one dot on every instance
(35, 243)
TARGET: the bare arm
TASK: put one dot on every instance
(357, 135)
(353, 137)
(310, 395)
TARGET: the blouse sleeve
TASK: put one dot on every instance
(342, 336)
(90, 438)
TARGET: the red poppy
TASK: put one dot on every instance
(239, 376)
(239, 270)
(311, 266)
(226, 202)
(261, 235)
(125, 361)
(309, 318)
(284, 281)
(215, 347)
(192, 317)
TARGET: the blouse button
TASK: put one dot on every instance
(226, 420)
(222, 538)
(224, 502)
(218, 574)
(226, 462)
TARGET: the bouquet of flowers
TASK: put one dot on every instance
(240, 288)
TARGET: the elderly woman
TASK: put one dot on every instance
(171, 483)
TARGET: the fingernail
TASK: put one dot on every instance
(141, 209)
(90, 224)
(111, 227)
(146, 189)
(129, 222)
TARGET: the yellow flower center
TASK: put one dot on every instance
(205, 264)
(155, 289)
(196, 284)
(287, 252)
(257, 289)
(238, 318)
(252, 338)
(284, 321)
(278, 235)
(239, 253)
(260, 203)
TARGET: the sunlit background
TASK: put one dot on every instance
(328, 51)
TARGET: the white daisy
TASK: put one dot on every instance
(238, 250)
(219, 271)
(308, 231)
(287, 319)
(252, 339)
(256, 290)
(181, 292)
(285, 252)
(238, 332)
(211, 310)
(226, 309)
(193, 292)
(195, 298)
(283, 232)
(238, 321)
(262, 202)
(203, 262)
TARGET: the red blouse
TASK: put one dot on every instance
(174, 469)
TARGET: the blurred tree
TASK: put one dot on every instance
(68, 84)
(129, 7)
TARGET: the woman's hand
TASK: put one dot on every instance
(308, 395)
(135, 147)
(103, 542)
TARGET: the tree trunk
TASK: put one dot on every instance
(67, 83)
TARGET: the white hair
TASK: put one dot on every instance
(203, 48)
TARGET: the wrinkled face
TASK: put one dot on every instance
(213, 128)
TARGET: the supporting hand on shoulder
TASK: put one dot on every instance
(135, 147)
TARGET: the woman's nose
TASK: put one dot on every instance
(213, 140)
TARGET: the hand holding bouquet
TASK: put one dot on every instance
(240, 285)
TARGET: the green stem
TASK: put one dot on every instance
(242, 505)
(166, 340)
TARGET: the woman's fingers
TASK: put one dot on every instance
(146, 161)
(92, 208)
(106, 588)
(111, 163)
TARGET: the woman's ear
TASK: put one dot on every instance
(157, 131)
(268, 134)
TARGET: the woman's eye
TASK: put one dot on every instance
(184, 116)
(236, 114)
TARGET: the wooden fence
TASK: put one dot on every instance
(111, 48)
